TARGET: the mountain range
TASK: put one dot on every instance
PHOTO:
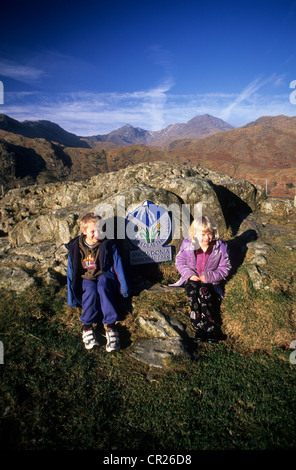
(196, 128)
(262, 151)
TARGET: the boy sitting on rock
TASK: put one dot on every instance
(95, 276)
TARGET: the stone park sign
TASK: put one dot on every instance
(148, 227)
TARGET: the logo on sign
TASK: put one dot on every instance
(148, 228)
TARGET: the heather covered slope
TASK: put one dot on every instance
(262, 150)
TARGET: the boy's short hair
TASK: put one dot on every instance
(88, 218)
(203, 223)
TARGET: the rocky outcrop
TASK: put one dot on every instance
(281, 208)
(36, 221)
(256, 259)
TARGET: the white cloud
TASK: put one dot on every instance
(22, 73)
(246, 94)
(249, 103)
(87, 113)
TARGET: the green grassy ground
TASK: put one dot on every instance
(56, 395)
(234, 395)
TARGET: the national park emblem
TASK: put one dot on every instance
(148, 227)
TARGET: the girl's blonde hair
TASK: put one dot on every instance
(203, 223)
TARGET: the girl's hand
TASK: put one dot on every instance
(196, 278)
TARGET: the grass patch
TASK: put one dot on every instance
(238, 394)
(261, 319)
(258, 320)
(57, 395)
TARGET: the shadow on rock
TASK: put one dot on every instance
(237, 249)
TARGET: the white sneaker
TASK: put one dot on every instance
(112, 340)
(88, 337)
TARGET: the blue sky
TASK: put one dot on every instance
(93, 66)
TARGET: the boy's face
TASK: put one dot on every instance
(91, 233)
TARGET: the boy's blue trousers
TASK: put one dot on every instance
(98, 301)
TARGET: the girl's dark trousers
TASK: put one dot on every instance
(204, 305)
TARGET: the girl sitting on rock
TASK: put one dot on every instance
(203, 263)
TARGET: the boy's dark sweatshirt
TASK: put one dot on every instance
(90, 259)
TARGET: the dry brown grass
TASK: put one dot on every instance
(262, 319)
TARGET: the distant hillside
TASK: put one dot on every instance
(196, 128)
(125, 135)
(41, 129)
(25, 161)
(281, 121)
(262, 152)
(41, 151)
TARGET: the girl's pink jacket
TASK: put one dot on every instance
(216, 269)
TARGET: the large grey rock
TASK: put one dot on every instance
(156, 352)
(160, 325)
(201, 197)
(256, 259)
(25, 202)
(282, 208)
(58, 226)
(15, 279)
(48, 215)
(258, 276)
(167, 339)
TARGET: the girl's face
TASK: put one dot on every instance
(204, 238)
